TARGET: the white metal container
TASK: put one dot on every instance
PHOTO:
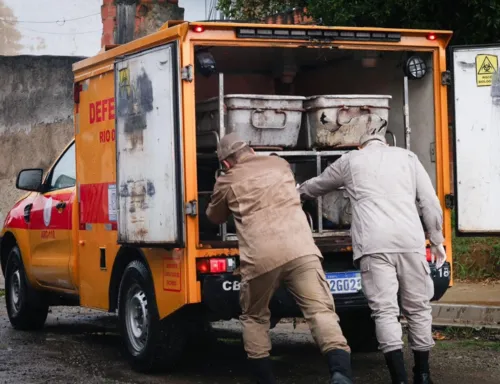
(341, 120)
(261, 120)
(337, 208)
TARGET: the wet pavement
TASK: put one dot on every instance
(81, 346)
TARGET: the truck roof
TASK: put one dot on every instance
(171, 29)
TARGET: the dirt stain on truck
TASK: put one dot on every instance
(135, 100)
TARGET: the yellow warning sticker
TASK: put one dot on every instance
(486, 67)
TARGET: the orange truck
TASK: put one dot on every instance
(118, 222)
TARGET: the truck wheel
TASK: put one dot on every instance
(26, 309)
(148, 342)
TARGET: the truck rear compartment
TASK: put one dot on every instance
(289, 102)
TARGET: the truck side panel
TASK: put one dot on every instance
(95, 159)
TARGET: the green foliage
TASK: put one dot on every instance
(475, 258)
(472, 21)
(255, 10)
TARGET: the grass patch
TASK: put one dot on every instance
(468, 333)
(475, 258)
(468, 338)
(2, 293)
(493, 346)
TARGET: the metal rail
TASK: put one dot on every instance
(312, 153)
(406, 112)
(318, 155)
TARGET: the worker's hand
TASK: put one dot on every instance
(438, 255)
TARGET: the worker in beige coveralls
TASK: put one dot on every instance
(276, 246)
(384, 183)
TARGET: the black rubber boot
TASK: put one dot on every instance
(396, 363)
(262, 370)
(339, 364)
(421, 371)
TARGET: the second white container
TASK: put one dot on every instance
(340, 120)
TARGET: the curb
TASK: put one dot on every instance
(466, 315)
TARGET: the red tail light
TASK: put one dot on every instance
(203, 266)
(431, 36)
(198, 28)
(216, 265)
(428, 254)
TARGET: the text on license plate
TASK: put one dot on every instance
(344, 282)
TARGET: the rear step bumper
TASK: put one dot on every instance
(220, 294)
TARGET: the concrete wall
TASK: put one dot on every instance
(36, 116)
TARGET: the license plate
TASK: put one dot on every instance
(344, 282)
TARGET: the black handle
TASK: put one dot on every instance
(61, 205)
(27, 212)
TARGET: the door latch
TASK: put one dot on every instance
(449, 201)
(433, 152)
(191, 208)
(446, 78)
(187, 73)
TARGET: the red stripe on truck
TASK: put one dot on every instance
(95, 205)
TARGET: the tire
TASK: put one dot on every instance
(359, 330)
(148, 342)
(27, 309)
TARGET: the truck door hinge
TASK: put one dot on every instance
(191, 208)
(446, 78)
(449, 201)
(187, 73)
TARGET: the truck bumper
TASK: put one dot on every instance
(220, 295)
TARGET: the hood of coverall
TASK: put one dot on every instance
(229, 144)
(367, 137)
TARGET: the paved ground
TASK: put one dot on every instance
(473, 293)
(81, 346)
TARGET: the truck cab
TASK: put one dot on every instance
(118, 221)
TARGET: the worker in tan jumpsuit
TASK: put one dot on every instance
(384, 183)
(276, 246)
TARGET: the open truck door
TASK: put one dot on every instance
(476, 92)
(149, 181)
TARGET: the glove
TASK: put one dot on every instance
(438, 255)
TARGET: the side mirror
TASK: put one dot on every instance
(30, 180)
